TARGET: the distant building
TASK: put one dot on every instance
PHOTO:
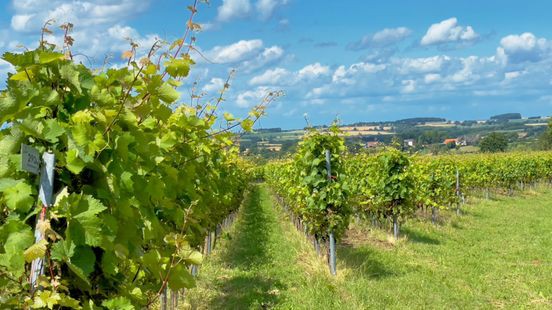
(456, 141)
(409, 143)
(265, 145)
(371, 144)
(522, 135)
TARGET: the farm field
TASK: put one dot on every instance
(496, 255)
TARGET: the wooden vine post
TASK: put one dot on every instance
(458, 193)
(44, 167)
(332, 257)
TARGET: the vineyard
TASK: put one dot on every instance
(117, 193)
(322, 193)
(129, 185)
(120, 169)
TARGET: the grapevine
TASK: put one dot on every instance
(139, 179)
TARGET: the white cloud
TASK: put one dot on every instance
(283, 77)
(113, 40)
(99, 28)
(122, 32)
(448, 31)
(317, 92)
(513, 75)
(407, 79)
(19, 22)
(313, 71)
(231, 9)
(431, 78)
(524, 47)
(266, 7)
(269, 56)
(30, 5)
(383, 38)
(474, 69)
(251, 98)
(5, 67)
(215, 85)
(409, 86)
(235, 9)
(30, 15)
(347, 75)
(524, 42)
(422, 65)
(206, 26)
(275, 76)
(235, 52)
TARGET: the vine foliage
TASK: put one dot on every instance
(139, 178)
(320, 201)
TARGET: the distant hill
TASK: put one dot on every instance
(506, 116)
(260, 130)
(419, 120)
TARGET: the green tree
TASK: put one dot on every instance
(545, 140)
(494, 142)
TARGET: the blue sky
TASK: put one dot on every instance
(358, 60)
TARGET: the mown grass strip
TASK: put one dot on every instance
(264, 263)
(498, 255)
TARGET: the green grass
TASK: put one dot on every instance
(497, 255)
(264, 263)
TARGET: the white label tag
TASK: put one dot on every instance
(30, 159)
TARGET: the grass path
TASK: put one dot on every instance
(264, 263)
(498, 255)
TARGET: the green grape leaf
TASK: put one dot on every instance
(69, 73)
(15, 244)
(6, 183)
(37, 250)
(118, 303)
(180, 278)
(69, 302)
(84, 225)
(177, 67)
(19, 197)
(52, 130)
(121, 144)
(47, 57)
(87, 207)
(247, 125)
(46, 299)
(152, 261)
(82, 262)
(8, 106)
(168, 94)
(20, 59)
(74, 163)
(229, 117)
(82, 117)
(9, 145)
(167, 141)
(195, 258)
(62, 251)
(21, 76)
(110, 263)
